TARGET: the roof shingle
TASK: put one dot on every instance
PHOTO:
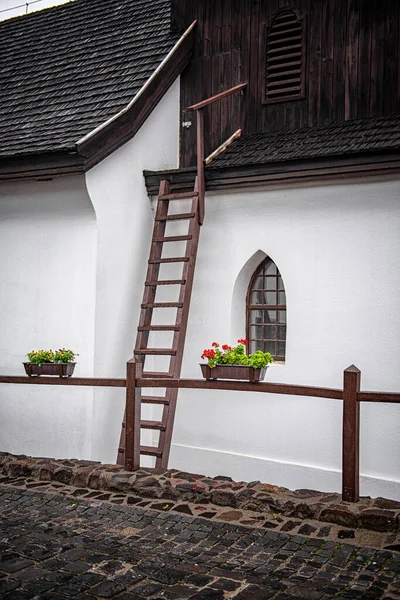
(66, 70)
(349, 137)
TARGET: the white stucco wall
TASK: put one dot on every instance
(47, 300)
(125, 222)
(338, 249)
(74, 257)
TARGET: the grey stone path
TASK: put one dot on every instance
(53, 547)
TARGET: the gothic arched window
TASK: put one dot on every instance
(266, 311)
(285, 72)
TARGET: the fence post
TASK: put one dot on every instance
(351, 435)
(132, 417)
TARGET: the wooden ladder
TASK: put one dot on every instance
(175, 353)
(181, 305)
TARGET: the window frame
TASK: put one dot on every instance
(277, 307)
(302, 19)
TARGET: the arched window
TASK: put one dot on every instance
(285, 73)
(266, 311)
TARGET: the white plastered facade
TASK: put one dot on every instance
(74, 255)
(337, 247)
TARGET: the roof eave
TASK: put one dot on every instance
(40, 166)
(338, 167)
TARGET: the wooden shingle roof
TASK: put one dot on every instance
(354, 148)
(66, 70)
(358, 137)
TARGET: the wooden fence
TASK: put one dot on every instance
(350, 395)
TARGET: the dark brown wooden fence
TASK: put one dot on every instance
(350, 395)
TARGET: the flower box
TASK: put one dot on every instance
(57, 369)
(225, 362)
(240, 372)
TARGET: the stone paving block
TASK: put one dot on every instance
(148, 589)
(108, 588)
(9, 586)
(15, 564)
(18, 595)
(253, 592)
(209, 594)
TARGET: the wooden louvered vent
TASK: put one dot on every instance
(285, 58)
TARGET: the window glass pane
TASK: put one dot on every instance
(257, 298)
(281, 348)
(281, 316)
(270, 283)
(282, 333)
(269, 316)
(280, 283)
(270, 347)
(270, 298)
(258, 283)
(271, 268)
(256, 345)
(281, 298)
(256, 316)
(256, 332)
(269, 332)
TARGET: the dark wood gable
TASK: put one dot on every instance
(350, 57)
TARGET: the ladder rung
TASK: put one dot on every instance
(173, 238)
(155, 351)
(156, 375)
(178, 195)
(150, 451)
(153, 425)
(166, 282)
(154, 400)
(176, 217)
(169, 260)
(159, 328)
(163, 305)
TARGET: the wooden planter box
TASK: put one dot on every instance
(58, 369)
(240, 372)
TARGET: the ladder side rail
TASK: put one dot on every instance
(201, 182)
(168, 417)
(153, 268)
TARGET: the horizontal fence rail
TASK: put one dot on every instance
(350, 395)
(243, 386)
(378, 397)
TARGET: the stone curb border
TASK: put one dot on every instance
(375, 514)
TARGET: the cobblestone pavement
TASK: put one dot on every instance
(54, 547)
(372, 522)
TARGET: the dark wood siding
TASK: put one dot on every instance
(352, 61)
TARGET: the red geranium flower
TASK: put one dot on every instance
(215, 344)
(226, 347)
(245, 342)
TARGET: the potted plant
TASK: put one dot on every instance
(225, 362)
(46, 362)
